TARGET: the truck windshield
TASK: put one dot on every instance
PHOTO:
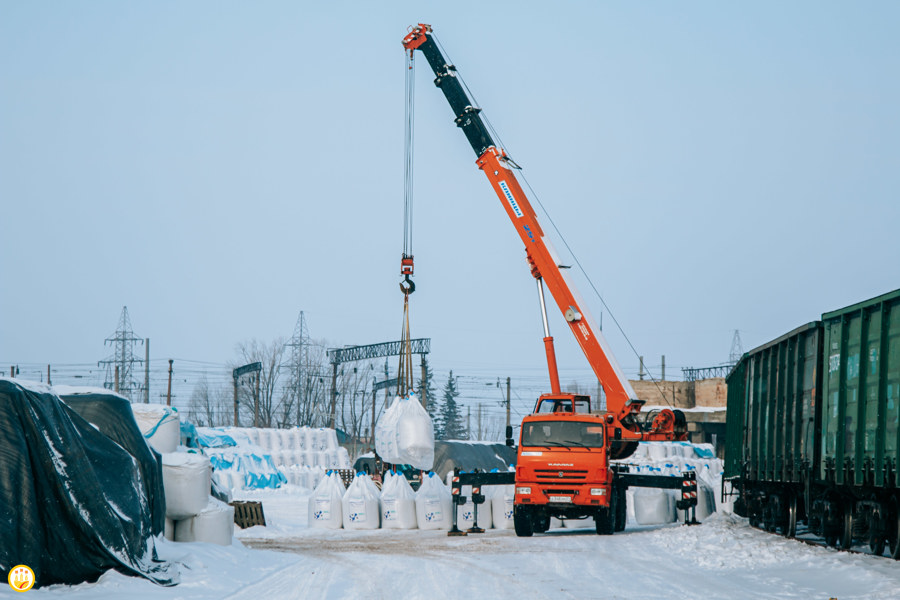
(563, 433)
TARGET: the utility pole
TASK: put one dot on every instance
(12, 372)
(256, 402)
(169, 393)
(48, 375)
(509, 437)
(641, 371)
(468, 422)
(235, 401)
(479, 421)
(663, 367)
(147, 371)
(333, 392)
(373, 411)
(117, 380)
(424, 398)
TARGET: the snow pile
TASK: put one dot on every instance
(405, 434)
(160, 424)
(398, 503)
(257, 458)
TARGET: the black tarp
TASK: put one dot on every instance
(113, 417)
(468, 456)
(73, 502)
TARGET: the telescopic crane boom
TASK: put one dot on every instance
(545, 266)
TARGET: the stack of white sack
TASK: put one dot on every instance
(673, 458)
(361, 504)
(214, 524)
(653, 506)
(433, 504)
(325, 503)
(398, 503)
(303, 476)
(405, 434)
(192, 515)
(160, 425)
(465, 513)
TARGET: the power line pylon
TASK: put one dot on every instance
(299, 365)
(123, 341)
(737, 350)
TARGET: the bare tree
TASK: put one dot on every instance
(210, 407)
(271, 395)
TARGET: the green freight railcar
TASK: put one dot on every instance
(861, 394)
(813, 428)
(773, 412)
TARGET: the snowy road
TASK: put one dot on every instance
(722, 559)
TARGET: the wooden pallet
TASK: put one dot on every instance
(347, 475)
(248, 513)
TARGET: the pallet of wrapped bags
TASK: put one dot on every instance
(434, 504)
(214, 525)
(405, 434)
(360, 505)
(325, 510)
(186, 479)
(398, 503)
(653, 506)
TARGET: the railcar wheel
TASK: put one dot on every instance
(845, 534)
(790, 528)
(893, 528)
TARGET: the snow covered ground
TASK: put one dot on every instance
(723, 558)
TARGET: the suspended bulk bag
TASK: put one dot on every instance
(405, 434)
(434, 504)
(502, 507)
(214, 525)
(325, 503)
(360, 505)
(187, 483)
(398, 504)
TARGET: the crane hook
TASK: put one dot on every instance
(407, 286)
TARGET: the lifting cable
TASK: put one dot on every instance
(405, 380)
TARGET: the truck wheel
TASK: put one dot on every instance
(605, 521)
(522, 521)
(541, 523)
(621, 509)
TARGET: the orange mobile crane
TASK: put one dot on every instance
(563, 465)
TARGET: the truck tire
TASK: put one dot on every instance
(605, 521)
(522, 521)
(540, 523)
(621, 509)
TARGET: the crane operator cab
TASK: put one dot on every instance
(568, 403)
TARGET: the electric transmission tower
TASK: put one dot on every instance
(120, 366)
(299, 365)
(737, 350)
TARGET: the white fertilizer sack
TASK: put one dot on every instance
(214, 525)
(433, 504)
(325, 509)
(398, 504)
(186, 479)
(653, 506)
(405, 434)
(160, 425)
(502, 506)
(361, 509)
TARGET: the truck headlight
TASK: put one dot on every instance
(598, 491)
(525, 491)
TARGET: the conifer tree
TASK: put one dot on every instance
(451, 424)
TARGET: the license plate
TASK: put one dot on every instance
(560, 498)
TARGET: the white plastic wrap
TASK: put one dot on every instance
(160, 425)
(360, 504)
(186, 479)
(398, 503)
(653, 506)
(214, 525)
(325, 510)
(434, 504)
(405, 434)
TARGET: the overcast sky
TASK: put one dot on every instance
(220, 166)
